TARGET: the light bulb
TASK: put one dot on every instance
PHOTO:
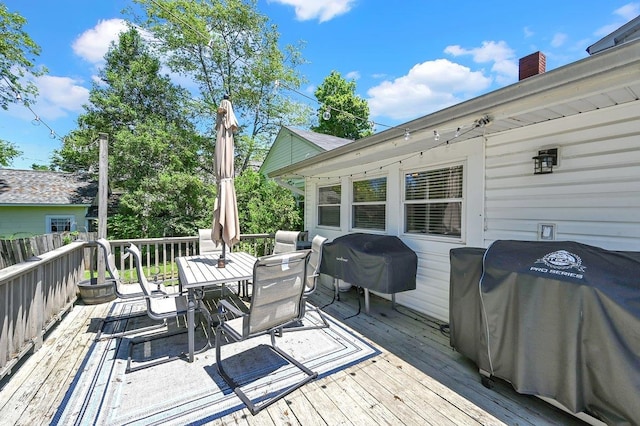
(436, 135)
(326, 115)
(36, 121)
(407, 135)
(52, 135)
(457, 132)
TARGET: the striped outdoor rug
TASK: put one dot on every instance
(181, 393)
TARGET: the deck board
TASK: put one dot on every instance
(417, 378)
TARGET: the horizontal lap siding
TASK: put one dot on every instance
(431, 295)
(593, 196)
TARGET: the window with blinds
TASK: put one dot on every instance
(369, 205)
(433, 202)
(329, 205)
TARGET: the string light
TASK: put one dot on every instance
(326, 115)
(482, 122)
(436, 135)
(36, 118)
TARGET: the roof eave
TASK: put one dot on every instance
(613, 62)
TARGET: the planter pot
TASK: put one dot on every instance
(93, 293)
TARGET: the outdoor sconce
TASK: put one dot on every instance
(545, 160)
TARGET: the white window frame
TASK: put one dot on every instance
(461, 200)
(50, 218)
(321, 205)
(353, 204)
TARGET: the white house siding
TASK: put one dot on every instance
(432, 288)
(592, 196)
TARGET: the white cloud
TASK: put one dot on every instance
(323, 10)
(505, 64)
(427, 87)
(58, 96)
(528, 32)
(558, 39)
(93, 44)
(624, 14)
(353, 75)
(628, 11)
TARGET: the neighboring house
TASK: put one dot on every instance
(292, 145)
(38, 202)
(438, 191)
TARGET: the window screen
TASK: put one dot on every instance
(370, 204)
(329, 205)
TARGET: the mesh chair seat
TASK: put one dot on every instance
(278, 284)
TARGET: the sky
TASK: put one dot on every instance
(408, 59)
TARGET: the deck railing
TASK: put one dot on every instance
(158, 254)
(34, 294)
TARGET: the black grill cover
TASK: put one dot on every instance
(465, 316)
(379, 263)
(563, 321)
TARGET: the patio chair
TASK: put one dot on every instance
(285, 241)
(205, 244)
(114, 276)
(311, 283)
(278, 284)
(160, 307)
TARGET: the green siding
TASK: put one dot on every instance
(23, 221)
(288, 149)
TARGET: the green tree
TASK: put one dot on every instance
(341, 113)
(17, 59)
(8, 151)
(155, 151)
(264, 206)
(229, 47)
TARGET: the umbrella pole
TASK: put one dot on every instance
(222, 258)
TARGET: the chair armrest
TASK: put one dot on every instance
(226, 306)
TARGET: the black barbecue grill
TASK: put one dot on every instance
(381, 263)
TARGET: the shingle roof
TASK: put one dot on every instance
(326, 142)
(45, 187)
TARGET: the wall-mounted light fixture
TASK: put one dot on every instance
(545, 160)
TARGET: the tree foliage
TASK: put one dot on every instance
(17, 56)
(341, 113)
(264, 206)
(155, 151)
(8, 151)
(228, 47)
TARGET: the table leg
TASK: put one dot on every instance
(191, 309)
(366, 301)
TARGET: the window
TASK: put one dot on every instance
(433, 202)
(60, 224)
(370, 204)
(329, 205)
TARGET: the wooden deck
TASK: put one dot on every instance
(417, 379)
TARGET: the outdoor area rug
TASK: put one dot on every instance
(179, 392)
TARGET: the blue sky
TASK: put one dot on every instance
(408, 59)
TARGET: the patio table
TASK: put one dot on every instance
(200, 271)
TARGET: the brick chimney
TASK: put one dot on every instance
(533, 64)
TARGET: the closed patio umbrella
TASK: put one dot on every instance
(226, 226)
